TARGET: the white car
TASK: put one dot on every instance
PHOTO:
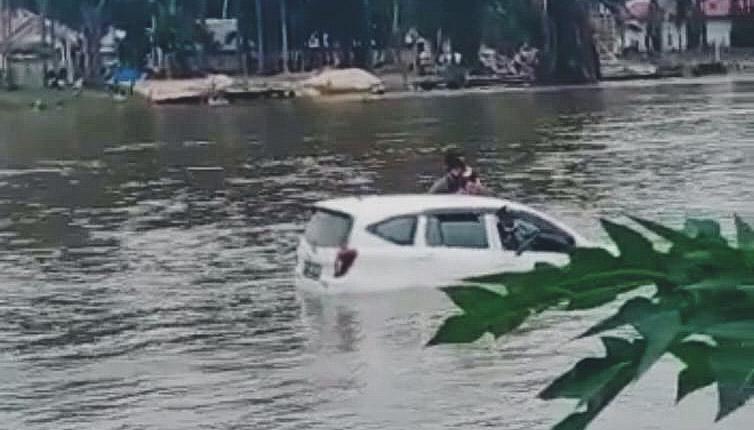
(364, 244)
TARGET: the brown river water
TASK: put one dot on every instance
(146, 255)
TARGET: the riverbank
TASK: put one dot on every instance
(48, 99)
(733, 78)
(394, 84)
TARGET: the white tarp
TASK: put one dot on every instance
(172, 89)
(341, 81)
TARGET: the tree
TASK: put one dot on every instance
(700, 312)
(696, 29)
(284, 35)
(569, 52)
(654, 27)
(93, 19)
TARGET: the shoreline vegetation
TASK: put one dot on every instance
(457, 45)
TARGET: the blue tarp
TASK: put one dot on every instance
(126, 75)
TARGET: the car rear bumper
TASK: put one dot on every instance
(320, 286)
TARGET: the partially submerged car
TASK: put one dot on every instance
(363, 244)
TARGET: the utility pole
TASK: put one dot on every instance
(366, 41)
(45, 48)
(284, 34)
(4, 32)
(260, 38)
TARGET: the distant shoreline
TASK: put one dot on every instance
(740, 77)
(24, 98)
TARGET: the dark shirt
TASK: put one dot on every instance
(448, 184)
(519, 236)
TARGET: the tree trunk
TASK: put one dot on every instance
(397, 42)
(203, 22)
(570, 54)
(696, 27)
(260, 38)
(4, 36)
(92, 18)
(362, 55)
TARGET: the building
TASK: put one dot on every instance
(223, 57)
(27, 56)
(719, 22)
(628, 32)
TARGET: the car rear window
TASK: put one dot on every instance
(328, 229)
(457, 230)
(399, 231)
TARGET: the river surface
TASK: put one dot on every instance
(146, 255)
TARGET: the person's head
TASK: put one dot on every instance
(454, 162)
(507, 219)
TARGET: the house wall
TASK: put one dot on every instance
(635, 39)
(27, 73)
(674, 38)
(718, 33)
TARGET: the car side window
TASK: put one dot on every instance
(549, 238)
(458, 230)
(400, 231)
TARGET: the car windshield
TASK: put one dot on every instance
(549, 238)
(328, 228)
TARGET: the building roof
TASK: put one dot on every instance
(26, 33)
(368, 210)
(716, 8)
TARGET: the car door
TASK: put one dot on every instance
(388, 254)
(458, 245)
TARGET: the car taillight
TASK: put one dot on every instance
(344, 261)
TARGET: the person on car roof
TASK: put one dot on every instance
(455, 166)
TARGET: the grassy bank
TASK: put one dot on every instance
(26, 98)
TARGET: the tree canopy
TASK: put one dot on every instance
(699, 312)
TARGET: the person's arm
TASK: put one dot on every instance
(440, 186)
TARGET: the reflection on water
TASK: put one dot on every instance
(146, 255)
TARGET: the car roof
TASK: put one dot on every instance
(377, 208)
(372, 209)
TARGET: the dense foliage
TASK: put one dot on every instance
(361, 24)
(701, 312)
(560, 29)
